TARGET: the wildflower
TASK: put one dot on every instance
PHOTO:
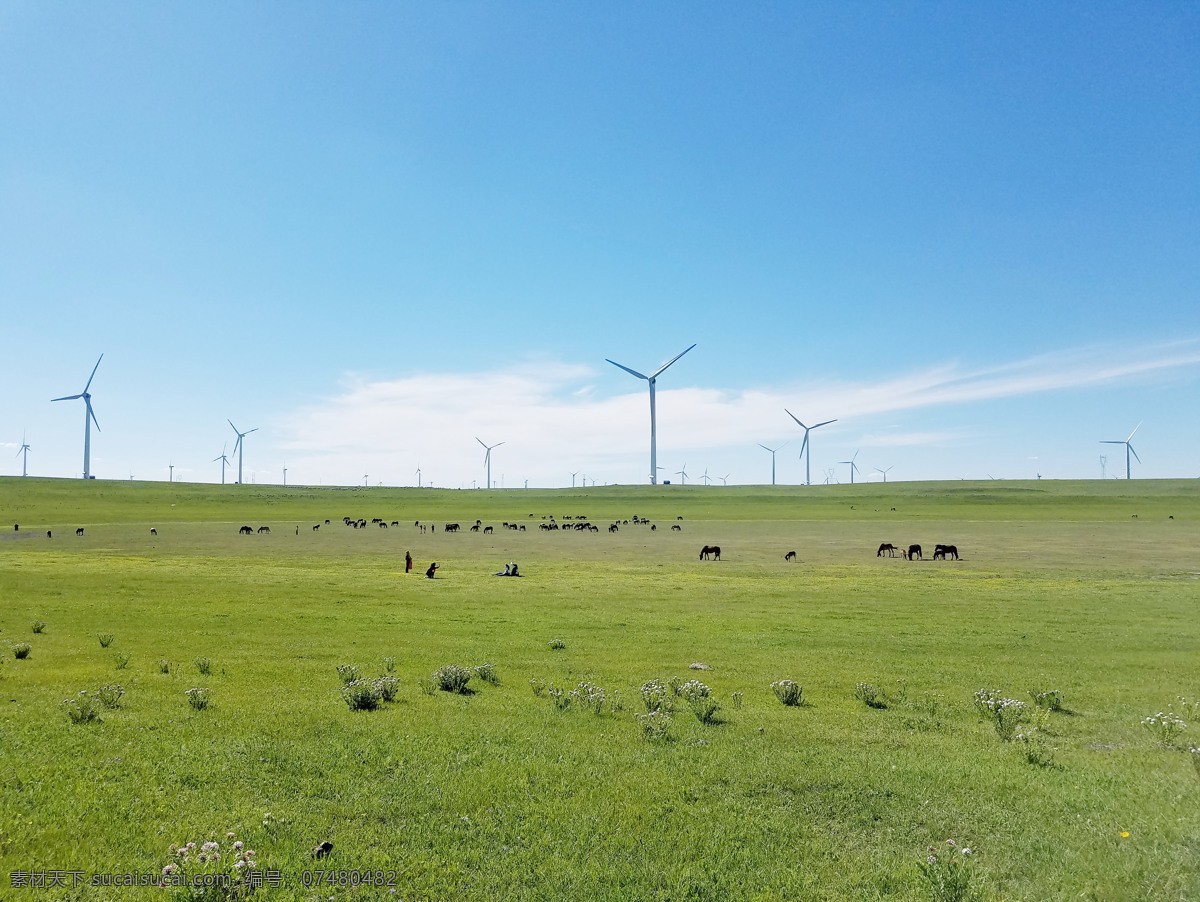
(950, 843)
(237, 845)
(1124, 834)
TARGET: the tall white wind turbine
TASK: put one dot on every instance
(682, 474)
(885, 472)
(487, 458)
(651, 379)
(239, 445)
(89, 417)
(224, 460)
(806, 448)
(24, 452)
(1128, 449)
(853, 465)
(772, 450)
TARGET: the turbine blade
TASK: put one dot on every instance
(67, 398)
(93, 375)
(659, 371)
(478, 439)
(826, 423)
(248, 431)
(803, 445)
(794, 417)
(1139, 460)
(1135, 428)
(92, 414)
(627, 369)
(764, 447)
(231, 426)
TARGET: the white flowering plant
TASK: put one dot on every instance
(656, 725)
(946, 872)
(210, 871)
(789, 692)
(1164, 726)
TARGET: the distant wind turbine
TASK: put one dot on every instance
(651, 379)
(682, 474)
(853, 466)
(885, 472)
(806, 448)
(239, 445)
(171, 477)
(705, 477)
(573, 475)
(418, 477)
(487, 458)
(1128, 450)
(89, 417)
(224, 460)
(772, 450)
(725, 479)
(25, 452)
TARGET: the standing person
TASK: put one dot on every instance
(407, 562)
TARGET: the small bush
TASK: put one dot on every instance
(121, 659)
(199, 698)
(657, 697)
(561, 699)
(1033, 746)
(105, 639)
(557, 643)
(452, 678)
(986, 701)
(487, 673)
(387, 686)
(789, 692)
(212, 873)
(21, 650)
(429, 687)
(1164, 726)
(348, 673)
(362, 695)
(656, 725)
(706, 708)
(203, 665)
(870, 695)
(1188, 708)
(80, 709)
(164, 666)
(538, 686)
(1050, 699)
(389, 664)
(1008, 714)
(737, 700)
(110, 695)
(38, 625)
(590, 696)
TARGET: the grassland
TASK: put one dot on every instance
(1085, 587)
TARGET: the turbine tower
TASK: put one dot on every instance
(487, 458)
(239, 445)
(24, 451)
(806, 448)
(224, 460)
(885, 472)
(1128, 449)
(853, 465)
(651, 379)
(89, 417)
(772, 450)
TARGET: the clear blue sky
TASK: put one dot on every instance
(375, 231)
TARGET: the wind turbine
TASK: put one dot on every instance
(772, 450)
(24, 451)
(705, 477)
(806, 447)
(1128, 449)
(238, 446)
(89, 417)
(682, 474)
(573, 475)
(171, 467)
(418, 477)
(224, 460)
(885, 472)
(651, 379)
(725, 479)
(853, 465)
(487, 458)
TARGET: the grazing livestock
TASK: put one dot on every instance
(888, 547)
(79, 531)
(245, 531)
(653, 527)
(475, 528)
(153, 531)
(488, 530)
(941, 552)
(318, 526)
(714, 550)
(613, 528)
(675, 527)
(264, 530)
(49, 535)
(790, 556)
(16, 527)
(382, 525)
(914, 553)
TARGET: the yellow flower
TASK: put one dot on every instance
(1124, 834)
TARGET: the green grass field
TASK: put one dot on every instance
(1089, 588)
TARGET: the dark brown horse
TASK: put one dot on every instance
(714, 550)
(888, 547)
(790, 556)
(914, 553)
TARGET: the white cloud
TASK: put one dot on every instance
(552, 421)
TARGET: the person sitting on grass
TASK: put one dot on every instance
(506, 571)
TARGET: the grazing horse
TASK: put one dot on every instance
(317, 526)
(153, 531)
(79, 531)
(245, 531)
(914, 553)
(714, 550)
(264, 530)
(488, 530)
(49, 534)
(940, 552)
(790, 556)
(888, 547)
(675, 527)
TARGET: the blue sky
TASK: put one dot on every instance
(375, 231)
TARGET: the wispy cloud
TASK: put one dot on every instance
(553, 419)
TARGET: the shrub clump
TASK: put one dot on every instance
(211, 873)
(591, 696)
(487, 673)
(870, 695)
(1164, 726)
(110, 695)
(362, 695)
(164, 666)
(105, 639)
(121, 659)
(21, 650)
(80, 709)
(1050, 699)
(946, 873)
(656, 725)
(38, 625)
(452, 678)
(199, 698)
(789, 692)
(348, 673)
(203, 665)
(558, 643)
(657, 696)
